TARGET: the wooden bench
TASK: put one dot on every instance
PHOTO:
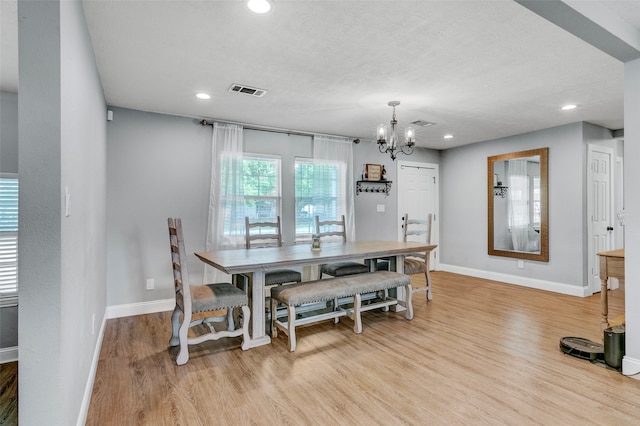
(331, 289)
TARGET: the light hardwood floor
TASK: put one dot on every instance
(480, 352)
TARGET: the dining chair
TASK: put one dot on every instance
(415, 263)
(201, 304)
(337, 228)
(269, 234)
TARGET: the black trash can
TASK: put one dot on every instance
(614, 346)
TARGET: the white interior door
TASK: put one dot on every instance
(418, 196)
(600, 208)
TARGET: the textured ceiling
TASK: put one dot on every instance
(479, 69)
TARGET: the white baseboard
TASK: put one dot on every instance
(88, 389)
(119, 311)
(8, 354)
(572, 290)
(631, 367)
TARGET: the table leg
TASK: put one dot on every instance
(604, 304)
(257, 305)
(397, 264)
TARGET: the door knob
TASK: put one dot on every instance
(609, 228)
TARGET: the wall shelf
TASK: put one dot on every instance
(373, 186)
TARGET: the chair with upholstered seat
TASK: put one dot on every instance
(416, 263)
(337, 228)
(201, 304)
(269, 234)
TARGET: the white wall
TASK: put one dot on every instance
(62, 139)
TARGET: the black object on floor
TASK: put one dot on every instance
(582, 348)
(614, 346)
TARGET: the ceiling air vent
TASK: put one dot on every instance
(423, 123)
(247, 90)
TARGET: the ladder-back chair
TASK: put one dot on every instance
(271, 237)
(337, 228)
(416, 263)
(201, 304)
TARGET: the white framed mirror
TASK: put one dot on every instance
(517, 194)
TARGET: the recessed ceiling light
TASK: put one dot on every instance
(448, 136)
(569, 107)
(259, 6)
(203, 96)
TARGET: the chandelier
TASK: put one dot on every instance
(391, 146)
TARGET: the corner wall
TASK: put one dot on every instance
(62, 143)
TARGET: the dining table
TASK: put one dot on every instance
(253, 263)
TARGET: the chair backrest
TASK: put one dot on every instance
(329, 228)
(417, 229)
(272, 236)
(179, 262)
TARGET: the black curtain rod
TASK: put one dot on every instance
(204, 122)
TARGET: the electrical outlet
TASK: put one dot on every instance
(521, 264)
(380, 208)
(150, 283)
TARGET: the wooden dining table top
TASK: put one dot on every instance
(257, 259)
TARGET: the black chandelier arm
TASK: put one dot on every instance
(404, 149)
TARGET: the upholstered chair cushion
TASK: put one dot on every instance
(281, 276)
(341, 269)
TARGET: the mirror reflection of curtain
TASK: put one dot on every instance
(518, 196)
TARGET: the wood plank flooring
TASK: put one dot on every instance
(480, 352)
(9, 393)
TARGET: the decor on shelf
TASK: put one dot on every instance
(391, 146)
(498, 189)
(373, 172)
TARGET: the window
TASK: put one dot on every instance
(8, 239)
(251, 188)
(320, 190)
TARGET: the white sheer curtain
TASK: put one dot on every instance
(339, 149)
(518, 196)
(226, 151)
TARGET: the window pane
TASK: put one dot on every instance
(251, 187)
(319, 191)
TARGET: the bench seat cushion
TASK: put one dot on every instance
(333, 288)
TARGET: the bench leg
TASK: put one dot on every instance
(408, 302)
(357, 316)
(291, 311)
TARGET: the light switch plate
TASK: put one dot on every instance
(67, 202)
(380, 208)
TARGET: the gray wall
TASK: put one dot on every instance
(62, 139)
(631, 361)
(8, 164)
(369, 223)
(8, 132)
(464, 203)
(159, 166)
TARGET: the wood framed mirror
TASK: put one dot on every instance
(518, 202)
